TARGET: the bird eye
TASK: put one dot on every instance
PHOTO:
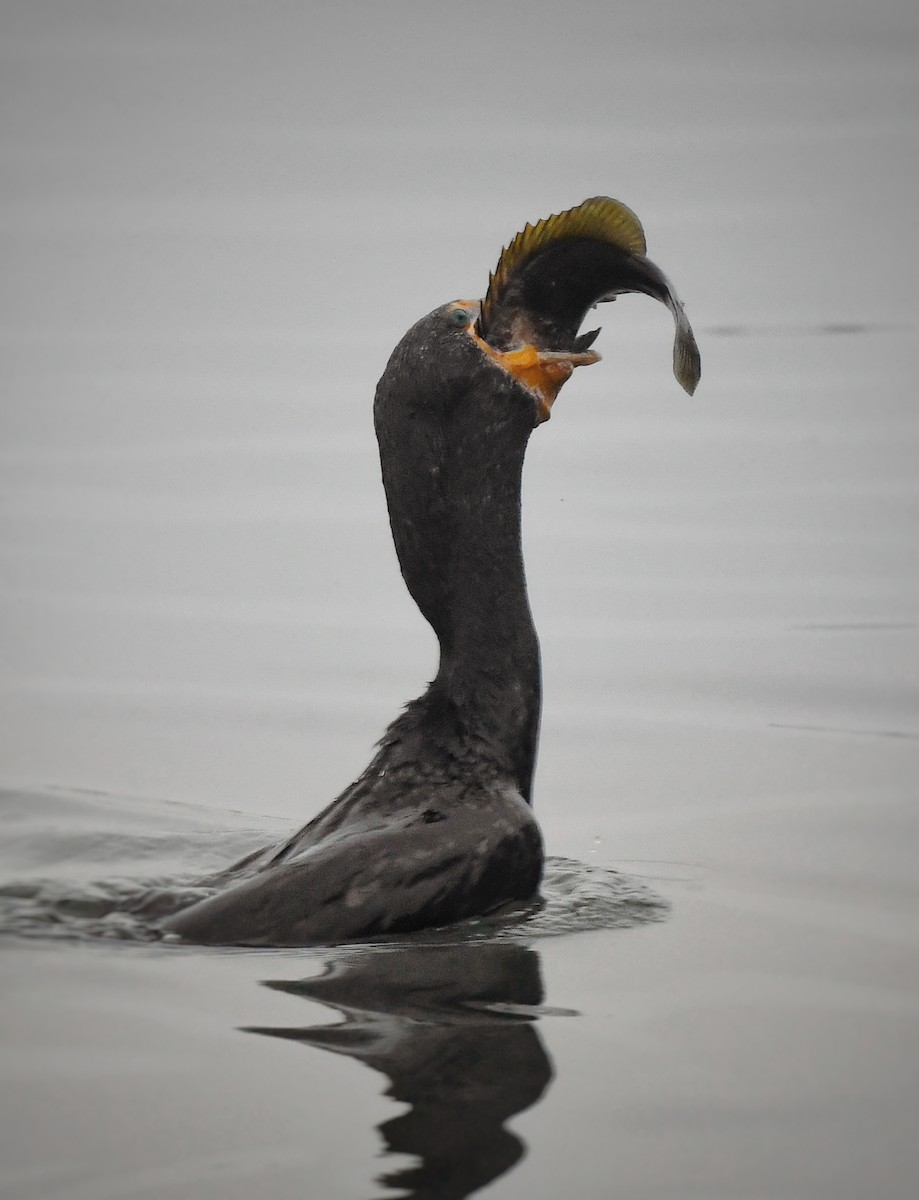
(459, 316)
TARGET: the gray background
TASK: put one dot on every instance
(216, 221)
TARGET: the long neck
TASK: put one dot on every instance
(489, 651)
(486, 633)
(457, 534)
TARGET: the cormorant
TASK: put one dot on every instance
(440, 827)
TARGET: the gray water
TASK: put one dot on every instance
(216, 221)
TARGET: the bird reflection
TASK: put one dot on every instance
(452, 1028)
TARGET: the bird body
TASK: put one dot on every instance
(439, 827)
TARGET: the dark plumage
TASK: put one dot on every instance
(439, 826)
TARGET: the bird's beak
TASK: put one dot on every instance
(542, 371)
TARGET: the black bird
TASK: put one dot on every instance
(439, 827)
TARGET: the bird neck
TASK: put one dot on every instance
(485, 628)
(457, 535)
(489, 671)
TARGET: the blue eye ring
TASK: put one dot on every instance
(459, 317)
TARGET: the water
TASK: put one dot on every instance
(215, 227)
(91, 867)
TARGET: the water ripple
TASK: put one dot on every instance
(73, 880)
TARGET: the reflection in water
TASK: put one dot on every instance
(451, 1027)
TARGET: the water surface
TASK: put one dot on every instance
(216, 223)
